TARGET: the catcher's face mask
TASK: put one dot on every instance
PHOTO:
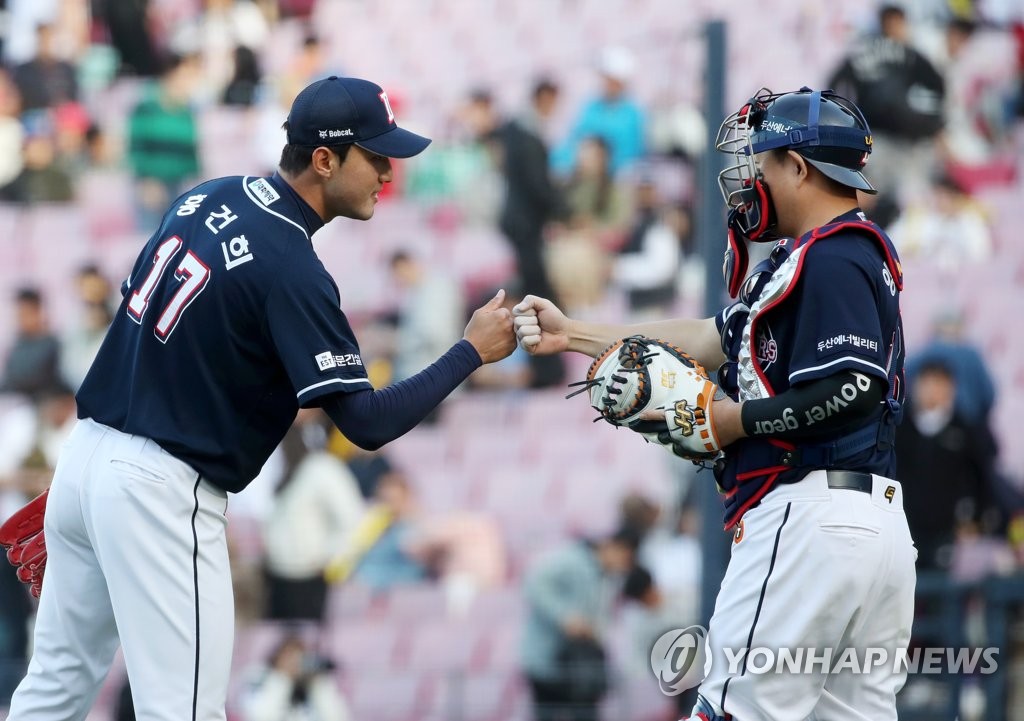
(741, 183)
(751, 213)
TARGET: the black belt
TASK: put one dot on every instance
(849, 480)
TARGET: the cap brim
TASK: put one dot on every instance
(844, 176)
(396, 143)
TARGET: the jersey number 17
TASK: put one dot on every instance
(191, 273)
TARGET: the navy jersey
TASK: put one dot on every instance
(229, 323)
(842, 315)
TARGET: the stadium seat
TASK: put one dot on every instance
(486, 447)
(422, 446)
(105, 198)
(442, 647)
(420, 603)
(351, 601)
(370, 645)
(473, 697)
(497, 605)
(254, 643)
(501, 650)
(386, 696)
(510, 489)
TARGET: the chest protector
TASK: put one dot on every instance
(752, 466)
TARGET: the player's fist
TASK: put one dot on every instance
(542, 329)
(490, 330)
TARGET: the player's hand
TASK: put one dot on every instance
(728, 420)
(490, 330)
(542, 329)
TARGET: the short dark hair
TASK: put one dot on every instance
(626, 537)
(29, 295)
(542, 86)
(964, 26)
(398, 257)
(296, 158)
(891, 11)
(638, 583)
(935, 366)
(481, 96)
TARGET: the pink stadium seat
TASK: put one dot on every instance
(222, 131)
(368, 645)
(245, 534)
(499, 605)
(639, 699)
(440, 489)
(425, 445)
(501, 647)
(416, 604)
(514, 494)
(446, 646)
(254, 643)
(383, 696)
(351, 601)
(476, 410)
(541, 409)
(105, 198)
(474, 697)
(591, 499)
(482, 447)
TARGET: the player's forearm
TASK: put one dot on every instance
(371, 419)
(821, 407)
(728, 420)
(697, 336)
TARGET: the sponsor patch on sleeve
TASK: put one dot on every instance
(264, 191)
(325, 360)
(847, 340)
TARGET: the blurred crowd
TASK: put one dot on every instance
(592, 202)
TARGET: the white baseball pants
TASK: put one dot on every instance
(137, 553)
(821, 570)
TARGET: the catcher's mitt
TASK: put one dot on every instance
(638, 374)
(22, 536)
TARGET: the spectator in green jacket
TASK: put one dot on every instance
(163, 140)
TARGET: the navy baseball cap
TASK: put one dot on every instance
(337, 111)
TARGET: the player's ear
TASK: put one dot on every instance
(321, 161)
(800, 165)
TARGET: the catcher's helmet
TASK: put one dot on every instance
(825, 128)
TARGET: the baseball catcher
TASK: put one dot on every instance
(809, 359)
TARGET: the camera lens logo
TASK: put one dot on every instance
(679, 659)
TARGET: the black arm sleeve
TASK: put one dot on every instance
(371, 418)
(816, 408)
